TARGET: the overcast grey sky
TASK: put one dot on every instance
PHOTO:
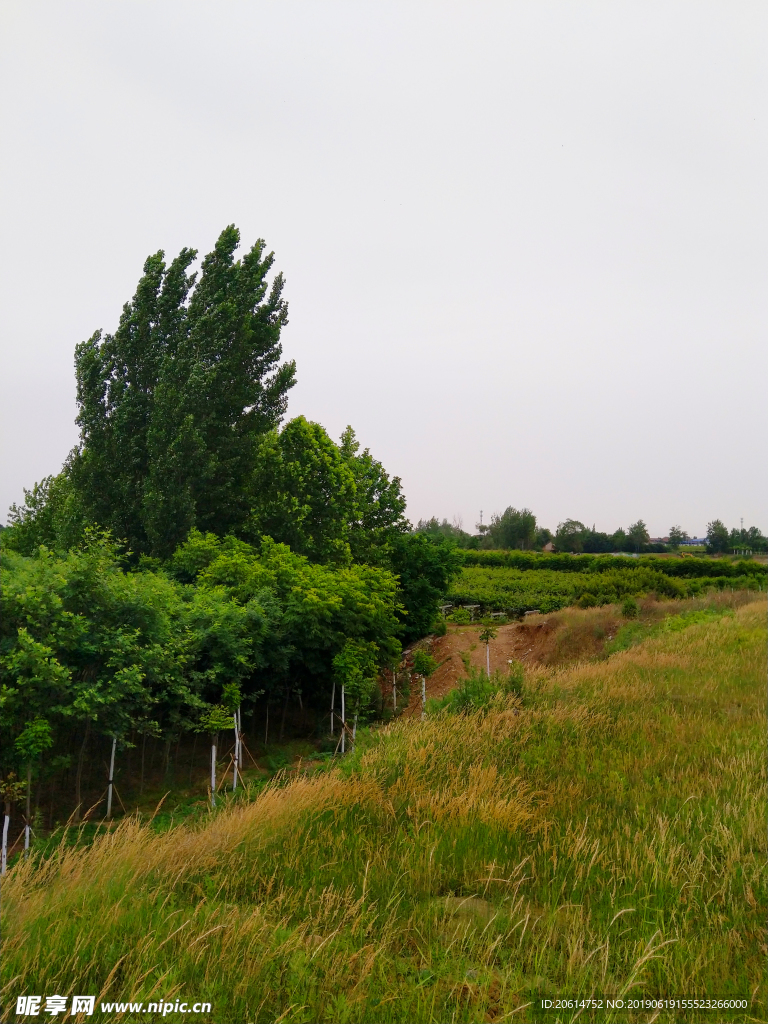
(524, 242)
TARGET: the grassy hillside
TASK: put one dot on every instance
(605, 836)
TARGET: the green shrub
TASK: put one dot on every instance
(629, 608)
(423, 663)
(587, 601)
(460, 616)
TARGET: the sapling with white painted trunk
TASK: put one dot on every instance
(31, 742)
(231, 699)
(236, 764)
(423, 665)
(487, 633)
(343, 721)
(10, 791)
(355, 669)
(215, 718)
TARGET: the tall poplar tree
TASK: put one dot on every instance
(173, 404)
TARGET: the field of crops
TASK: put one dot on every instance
(504, 587)
(684, 566)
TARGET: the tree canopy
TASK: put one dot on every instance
(718, 537)
(172, 406)
(330, 502)
(514, 528)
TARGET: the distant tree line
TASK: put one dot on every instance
(517, 529)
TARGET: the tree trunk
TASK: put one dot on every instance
(39, 786)
(282, 720)
(488, 658)
(6, 823)
(236, 762)
(143, 748)
(52, 794)
(266, 729)
(79, 774)
(343, 722)
(394, 690)
(111, 777)
(192, 759)
(213, 771)
(167, 758)
(29, 809)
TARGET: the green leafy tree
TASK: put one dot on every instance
(637, 535)
(596, 542)
(213, 720)
(676, 537)
(304, 493)
(423, 665)
(354, 669)
(379, 509)
(425, 567)
(570, 536)
(619, 540)
(307, 611)
(94, 650)
(173, 405)
(450, 531)
(718, 538)
(755, 539)
(50, 514)
(34, 739)
(329, 502)
(514, 528)
(486, 634)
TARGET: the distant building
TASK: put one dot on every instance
(688, 542)
(549, 546)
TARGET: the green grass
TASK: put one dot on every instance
(606, 836)
(634, 632)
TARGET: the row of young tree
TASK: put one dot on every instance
(517, 529)
(195, 555)
(93, 648)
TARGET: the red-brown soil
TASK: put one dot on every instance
(525, 641)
